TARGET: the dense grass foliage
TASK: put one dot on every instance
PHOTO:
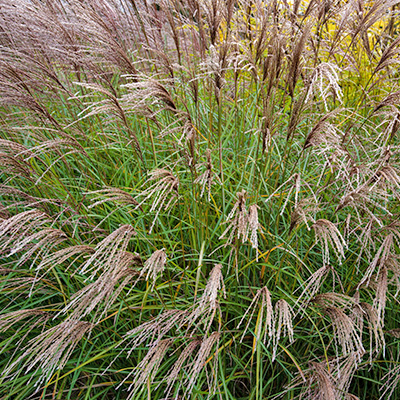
(199, 199)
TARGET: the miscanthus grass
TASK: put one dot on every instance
(199, 199)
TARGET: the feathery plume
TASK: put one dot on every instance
(208, 303)
(102, 292)
(326, 232)
(296, 64)
(147, 369)
(214, 284)
(390, 382)
(166, 184)
(329, 379)
(237, 220)
(110, 105)
(313, 285)
(53, 145)
(9, 319)
(325, 387)
(364, 196)
(60, 256)
(200, 362)
(345, 332)
(253, 227)
(146, 93)
(17, 226)
(174, 372)
(109, 251)
(265, 322)
(24, 198)
(381, 291)
(40, 242)
(334, 300)
(325, 78)
(325, 136)
(241, 222)
(389, 178)
(304, 212)
(283, 324)
(207, 178)
(156, 329)
(112, 194)
(154, 266)
(152, 332)
(51, 349)
(369, 313)
(382, 256)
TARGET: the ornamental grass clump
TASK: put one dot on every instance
(199, 199)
